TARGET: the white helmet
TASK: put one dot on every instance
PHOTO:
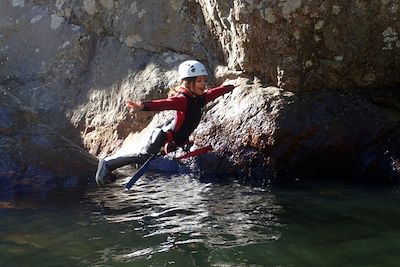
(191, 68)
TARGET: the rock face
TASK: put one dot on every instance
(308, 135)
(81, 60)
(74, 63)
(301, 45)
(33, 157)
(381, 160)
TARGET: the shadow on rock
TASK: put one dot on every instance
(35, 158)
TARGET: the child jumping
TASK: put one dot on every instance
(189, 99)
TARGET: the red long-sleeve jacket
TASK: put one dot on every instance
(188, 107)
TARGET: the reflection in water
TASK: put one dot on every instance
(188, 211)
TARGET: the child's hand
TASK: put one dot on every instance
(239, 82)
(134, 105)
(235, 83)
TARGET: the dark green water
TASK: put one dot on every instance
(180, 221)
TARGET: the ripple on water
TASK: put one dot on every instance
(188, 211)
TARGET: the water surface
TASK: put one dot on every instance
(183, 221)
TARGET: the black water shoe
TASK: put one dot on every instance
(104, 175)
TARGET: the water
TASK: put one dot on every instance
(181, 221)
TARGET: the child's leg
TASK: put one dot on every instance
(117, 162)
(110, 163)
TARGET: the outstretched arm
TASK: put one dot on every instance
(172, 103)
(212, 94)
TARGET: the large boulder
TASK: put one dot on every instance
(269, 132)
(381, 160)
(33, 157)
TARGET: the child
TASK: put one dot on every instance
(189, 99)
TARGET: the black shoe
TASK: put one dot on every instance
(104, 175)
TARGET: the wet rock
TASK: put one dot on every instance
(35, 158)
(381, 160)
